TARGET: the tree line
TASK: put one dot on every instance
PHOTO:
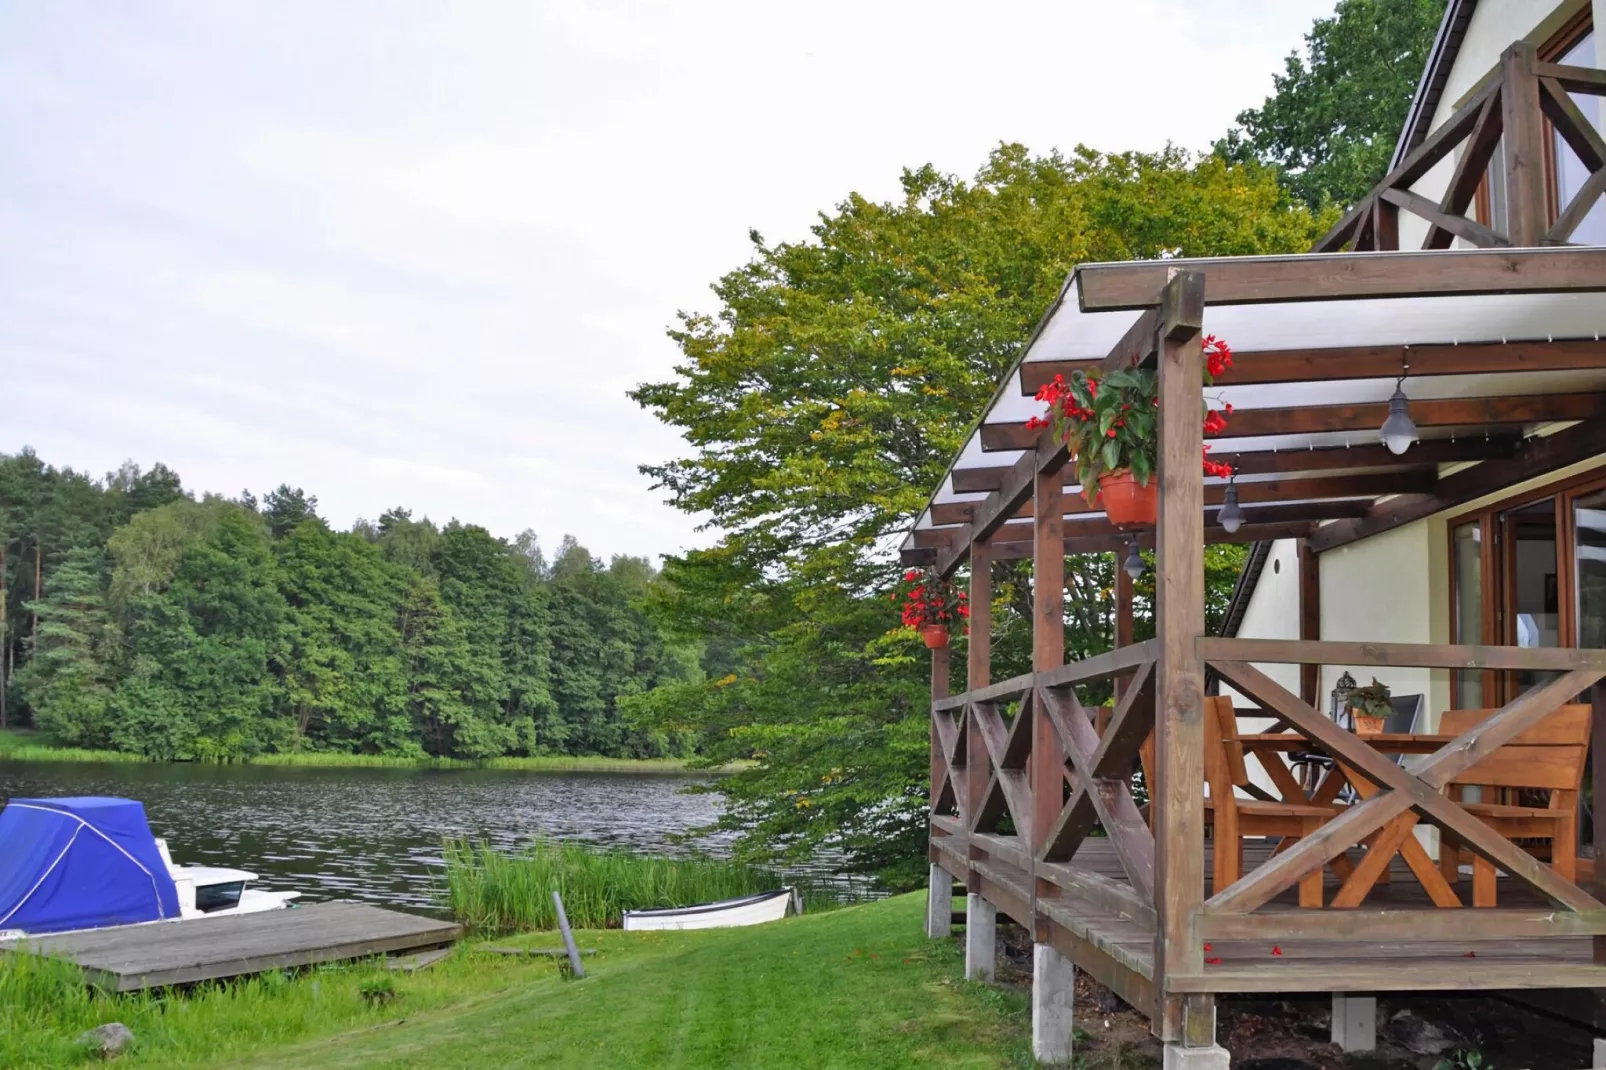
(144, 619)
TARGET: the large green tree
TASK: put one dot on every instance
(1335, 114)
(820, 403)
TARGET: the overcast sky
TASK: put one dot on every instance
(415, 253)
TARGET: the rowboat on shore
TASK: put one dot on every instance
(747, 910)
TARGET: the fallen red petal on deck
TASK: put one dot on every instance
(1276, 951)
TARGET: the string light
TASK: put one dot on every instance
(1134, 561)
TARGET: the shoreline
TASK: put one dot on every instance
(23, 745)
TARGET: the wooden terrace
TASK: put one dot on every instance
(1171, 900)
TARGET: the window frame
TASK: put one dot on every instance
(1495, 567)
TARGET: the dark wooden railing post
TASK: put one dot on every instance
(1179, 622)
(1527, 205)
(1310, 619)
(1048, 645)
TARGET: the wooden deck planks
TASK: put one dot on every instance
(129, 958)
(1340, 955)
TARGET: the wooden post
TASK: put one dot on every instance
(940, 662)
(576, 970)
(1179, 622)
(1048, 646)
(1527, 203)
(1310, 618)
(979, 671)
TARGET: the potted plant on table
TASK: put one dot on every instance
(1110, 424)
(931, 606)
(1370, 707)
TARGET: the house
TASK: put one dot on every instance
(1463, 560)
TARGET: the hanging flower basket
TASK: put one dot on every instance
(1130, 505)
(1110, 424)
(931, 605)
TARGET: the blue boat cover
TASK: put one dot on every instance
(80, 864)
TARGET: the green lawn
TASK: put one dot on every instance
(857, 987)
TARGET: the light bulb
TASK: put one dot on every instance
(1231, 517)
(1398, 431)
(1134, 562)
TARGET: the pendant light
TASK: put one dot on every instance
(1134, 561)
(1399, 431)
(1231, 517)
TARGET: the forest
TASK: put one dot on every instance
(143, 619)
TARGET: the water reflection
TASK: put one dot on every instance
(375, 834)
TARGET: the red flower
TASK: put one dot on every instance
(1276, 951)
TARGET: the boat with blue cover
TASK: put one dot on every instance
(92, 862)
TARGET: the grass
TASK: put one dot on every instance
(25, 746)
(497, 892)
(859, 987)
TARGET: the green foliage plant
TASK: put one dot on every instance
(1373, 700)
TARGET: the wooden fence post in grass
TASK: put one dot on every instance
(576, 970)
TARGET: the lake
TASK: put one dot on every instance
(375, 834)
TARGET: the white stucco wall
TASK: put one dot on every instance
(1391, 588)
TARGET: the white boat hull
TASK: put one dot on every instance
(749, 910)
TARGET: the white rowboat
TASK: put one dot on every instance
(748, 910)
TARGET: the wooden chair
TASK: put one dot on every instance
(1549, 756)
(1231, 818)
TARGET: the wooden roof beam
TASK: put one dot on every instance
(1366, 485)
(1323, 459)
(1135, 286)
(1371, 362)
(1368, 417)
(1536, 457)
(1089, 526)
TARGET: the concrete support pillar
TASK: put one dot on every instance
(1053, 999)
(1178, 1057)
(1354, 1022)
(1197, 1048)
(981, 938)
(939, 903)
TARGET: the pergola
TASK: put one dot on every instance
(1507, 382)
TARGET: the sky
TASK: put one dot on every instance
(415, 253)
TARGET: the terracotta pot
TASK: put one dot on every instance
(1366, 724)
(1129, 504)
(935, 636)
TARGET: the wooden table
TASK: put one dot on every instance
(1395, 838)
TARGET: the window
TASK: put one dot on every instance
(211, 897)
(1573, 46)
(1528, 572)
(1567, 171)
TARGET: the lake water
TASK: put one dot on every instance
(375, 834)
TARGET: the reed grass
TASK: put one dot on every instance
(494, 891)
(22, 746)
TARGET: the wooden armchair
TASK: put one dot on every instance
(1231, 818)
(1549, 756)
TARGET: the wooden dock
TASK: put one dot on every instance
(133, 957)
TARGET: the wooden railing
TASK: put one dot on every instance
(1027, 753)
(1511, 104)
